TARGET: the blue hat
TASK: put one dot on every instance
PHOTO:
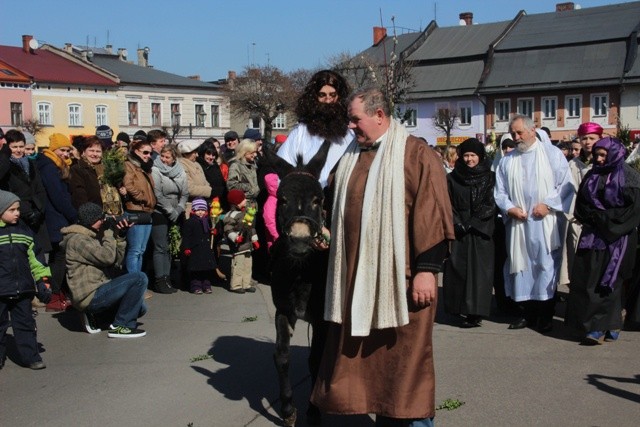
(252, 134)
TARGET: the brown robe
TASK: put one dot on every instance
(390, 372)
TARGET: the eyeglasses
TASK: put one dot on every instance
(146, 152)
(332, 95)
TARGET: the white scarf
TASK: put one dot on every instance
(545, 184)
(380, 295)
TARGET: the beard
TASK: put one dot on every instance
(328, 121)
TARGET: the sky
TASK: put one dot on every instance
(210, 38)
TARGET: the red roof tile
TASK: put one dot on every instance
(44, 66)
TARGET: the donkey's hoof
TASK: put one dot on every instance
(290, 421)
(314, 418)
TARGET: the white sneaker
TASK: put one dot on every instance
(90, 323)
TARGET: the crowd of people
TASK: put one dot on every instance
(102, 220)
(512, 227)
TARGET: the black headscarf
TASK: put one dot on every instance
(480, 178)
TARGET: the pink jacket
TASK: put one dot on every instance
(271, 182)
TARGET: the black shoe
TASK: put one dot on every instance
(471, 322)
(544, 326)
(519, 324)
(162, 285)
(237, 291)
(250, 289)
(37, 365)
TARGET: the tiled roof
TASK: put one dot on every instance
(47, 67)
(458, 42)
(134, 74)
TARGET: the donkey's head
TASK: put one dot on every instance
(299, 216)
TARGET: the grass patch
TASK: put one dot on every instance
(249, 319)
(449, 404)
(201, 357)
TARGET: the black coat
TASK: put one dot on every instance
(214, 177)
(32, 199)
(468, 273)
(84, 184)
(198, 240)
(59, 211)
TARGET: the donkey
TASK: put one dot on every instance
(298, 269)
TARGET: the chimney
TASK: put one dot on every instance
(109, 49)
(379, 33)
(142, 61)
(68, 47)
(563, 7)
(25, 43)
(122, 54)
(231, 75)
(194, 77)
(467, 17)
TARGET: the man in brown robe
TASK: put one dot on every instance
(391, 223)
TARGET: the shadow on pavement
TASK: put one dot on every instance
(599, 382)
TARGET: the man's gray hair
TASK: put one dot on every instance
(526, 121)
(373, 99)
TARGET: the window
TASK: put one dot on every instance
(573, 105)
(175, 114)
(599, 103)
(101, 115)
(215, 116)
(200, 115)
(464, 116)
(254, 122)
(280, 122)
(75, 115)
(549, 108)
(525, 107)
(133, 113)
(503, 108)
(156, 114)
(442, 113)
(16, 114)
(44, 113)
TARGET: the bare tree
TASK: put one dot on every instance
(264, 93)
(444, 120)
(32, 126)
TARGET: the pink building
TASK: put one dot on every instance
(15, 97)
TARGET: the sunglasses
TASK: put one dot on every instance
(145, 152)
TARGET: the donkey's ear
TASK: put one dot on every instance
(272, 161)
(315, 165)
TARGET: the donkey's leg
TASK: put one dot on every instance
(281, 358)
(318, 339)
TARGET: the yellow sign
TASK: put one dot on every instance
(454, 139)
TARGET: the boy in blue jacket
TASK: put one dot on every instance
(23, 273)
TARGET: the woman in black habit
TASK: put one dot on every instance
(468, 273)
(608, 206)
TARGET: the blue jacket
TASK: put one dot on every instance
(59, 211)
(21, 262)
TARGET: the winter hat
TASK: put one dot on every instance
(29, 138)
(472, 145)
(230, 136)
(188, 145)
(105, 135)
(58, 140)
(89, 213)
(235, 197)
(280, 138)
(199, 204)
(252, 134)
(140, 135)
(6, 200)
(124, 137)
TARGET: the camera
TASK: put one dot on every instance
(139, 218)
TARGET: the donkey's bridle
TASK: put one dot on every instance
(304, 218)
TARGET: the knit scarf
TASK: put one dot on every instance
(22, 162)
(62, 165)
(380, 293)
(544, 183)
